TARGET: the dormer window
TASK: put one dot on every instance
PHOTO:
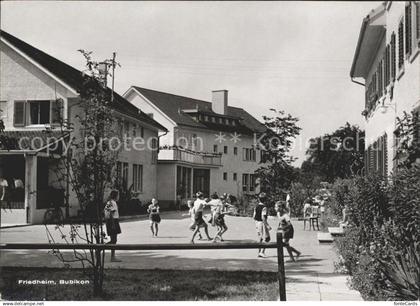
(206, 118)
(233, 122)
(213, 119)
(227, 121)
(221, 120)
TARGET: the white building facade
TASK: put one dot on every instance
(31, 83)
(387, 58)
(209, 147)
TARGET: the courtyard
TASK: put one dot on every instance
(312, 277)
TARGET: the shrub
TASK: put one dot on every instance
(381, 247)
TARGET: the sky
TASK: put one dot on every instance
(291, 56)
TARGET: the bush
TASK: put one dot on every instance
(381, 246)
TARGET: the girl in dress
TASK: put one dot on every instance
(193, 225)
(112, 220)
(286, 226)
(154, 217)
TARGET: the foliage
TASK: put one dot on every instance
(298, 194)
(88, 167)
(381, 246)
(408, 133)
(276, 172)
(336, 155)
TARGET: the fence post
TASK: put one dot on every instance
(280, 263)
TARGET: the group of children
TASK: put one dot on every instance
(219, 208)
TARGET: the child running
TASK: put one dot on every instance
(192, 226)
(286, 226)
(218, 215)
(154, 217)
(199, 205)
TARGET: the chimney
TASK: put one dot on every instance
(220, 101)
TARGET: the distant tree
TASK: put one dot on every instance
(336, 155)
(276, 172)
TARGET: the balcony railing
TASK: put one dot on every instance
(180, 154)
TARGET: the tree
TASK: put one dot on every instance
(276, 172)
(87, 166)
(336, 155)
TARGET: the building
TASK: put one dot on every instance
(31, 82)
(209, 147)
(387, 59)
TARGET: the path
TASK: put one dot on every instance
(311, 278)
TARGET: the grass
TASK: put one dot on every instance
(142, 285)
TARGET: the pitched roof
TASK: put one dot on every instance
(172, 105)
(74, 78)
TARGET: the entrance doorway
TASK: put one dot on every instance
(201, 181)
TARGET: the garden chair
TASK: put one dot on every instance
(314, 218)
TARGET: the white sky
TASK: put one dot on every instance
(294, 56)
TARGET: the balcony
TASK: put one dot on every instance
(188, 156)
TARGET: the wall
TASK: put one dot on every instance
(146, 107)
(21, 80)
(166, 177)
(406, 90)
(230, 163)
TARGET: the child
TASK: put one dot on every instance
(262, 227)
(192, 226)
(286, 226)
(218, 215)
(154, 217)
(112, 223)
(199, 205)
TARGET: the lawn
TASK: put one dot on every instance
(141, 285)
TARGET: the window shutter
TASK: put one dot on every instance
(417, 16)
(393, 57)
(408, 36)
(385, 153)
(19, 113)
(400, 44)
(387, 70)
(56, 111)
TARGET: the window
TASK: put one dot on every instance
(235, 151)
(245, 182)
(233, 122)
(401, 44)
(39, 112)
(408, 29)
(142, 132)
(3, 109)
(376, 157)
(235, 176)
(249, 154)
(155, 150)
(220, 120)
(126, 130)
(124, 182)
(206, 118)
(137, 178)
(215, 149)
(225, 176)
(213, 119)
(134, 130)
(225, 150)
(264, 156)
(252, 182)
(393, 56)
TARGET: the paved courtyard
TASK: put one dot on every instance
(311, 278)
